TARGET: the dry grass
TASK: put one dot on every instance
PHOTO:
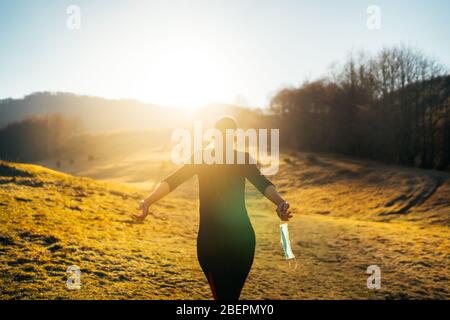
(350, 214)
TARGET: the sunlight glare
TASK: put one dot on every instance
(186, 78)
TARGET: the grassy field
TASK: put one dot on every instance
(349, 214)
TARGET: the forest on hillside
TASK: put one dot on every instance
(393, 106)
(37, 137)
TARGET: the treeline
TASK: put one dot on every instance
(392, 106)
(37, 137)
(97, 114)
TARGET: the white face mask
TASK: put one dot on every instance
(285, 242)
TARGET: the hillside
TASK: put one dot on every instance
(368, 190)
(333, 185)
(50, 220)
(122, 113)
(100, 114)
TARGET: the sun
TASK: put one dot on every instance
(183, 77)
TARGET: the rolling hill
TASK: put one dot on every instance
(121, 113)
(349, 215)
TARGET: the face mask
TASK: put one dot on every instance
(285, 242)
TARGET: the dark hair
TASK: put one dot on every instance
(224, 123)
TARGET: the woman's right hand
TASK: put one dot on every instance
(144, 205)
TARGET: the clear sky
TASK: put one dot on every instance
(190, 53)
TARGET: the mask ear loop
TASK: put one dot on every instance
(293, 264)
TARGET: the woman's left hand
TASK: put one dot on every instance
(283, 211)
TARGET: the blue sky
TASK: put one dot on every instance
(194, 52)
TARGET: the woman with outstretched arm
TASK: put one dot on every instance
(226, 240)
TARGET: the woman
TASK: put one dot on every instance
(226, 240)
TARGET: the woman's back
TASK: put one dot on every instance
(221, 190)
(226, 240)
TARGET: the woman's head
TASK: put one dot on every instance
(224, 123)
